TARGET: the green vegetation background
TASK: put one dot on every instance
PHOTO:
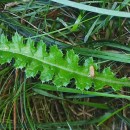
(102, 33)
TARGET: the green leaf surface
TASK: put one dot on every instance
(54, 66)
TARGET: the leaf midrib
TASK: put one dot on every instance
(43, 61)
(63, 68)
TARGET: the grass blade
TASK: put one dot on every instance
(93, 9)
(70, 90)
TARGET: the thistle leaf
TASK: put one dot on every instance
(54, 66)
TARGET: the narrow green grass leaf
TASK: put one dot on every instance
(30, 122)
(112, 114)
(91, 104)
(103, 54)
(90, 30)
(93, 9)
(112, 44)
(76, 24)
(70, 90)
(44, 93)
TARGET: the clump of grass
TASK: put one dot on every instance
(27, 104)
